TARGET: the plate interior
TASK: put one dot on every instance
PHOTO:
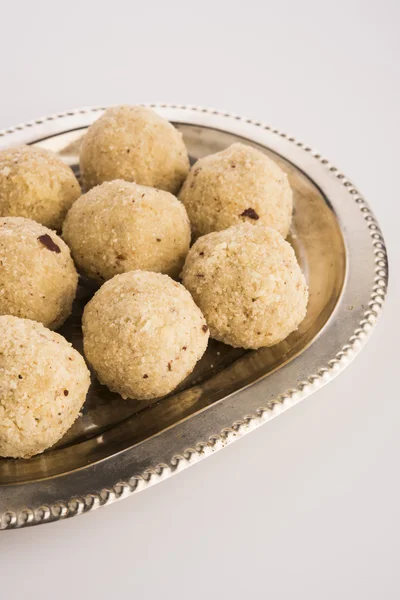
(109, 424)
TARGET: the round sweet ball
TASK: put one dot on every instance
(36, 184)
(143, 334)
(136, 144)
(121, 226)
(43, 385)
(239, 184)
(248, 284)
(38, 279)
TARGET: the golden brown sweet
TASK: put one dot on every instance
(248, 284)
(120, 226)
(43, 385)
(38, 279)
(36, 184)
(239, 184)
(143, 334)
(135, 144)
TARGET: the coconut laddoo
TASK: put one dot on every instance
(248, 284)
(239, 184)
(143, 334)
(121, 226)
(135, 144)
(38, 279)
(36, 184)
(43, 385)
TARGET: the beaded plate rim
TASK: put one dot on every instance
(76, 505)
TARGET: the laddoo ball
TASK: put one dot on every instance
(238, 185)
(121, 226)
(43, 385)
(135, 144)
(248, 284)
(36, 184)
(143, 334)
(38, 279)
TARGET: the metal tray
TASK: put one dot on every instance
(120, 447)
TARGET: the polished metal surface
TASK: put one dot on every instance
(118, 447)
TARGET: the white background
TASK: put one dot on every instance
(308, 506)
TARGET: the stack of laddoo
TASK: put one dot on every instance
(130, 231)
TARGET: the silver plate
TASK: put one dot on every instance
(120, 447)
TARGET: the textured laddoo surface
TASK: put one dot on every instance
(120, 226)
(38, 279)
(248, 284)
(135, 144)
(43, 385)
(143, 334)
(239, 184)
(36, 184)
